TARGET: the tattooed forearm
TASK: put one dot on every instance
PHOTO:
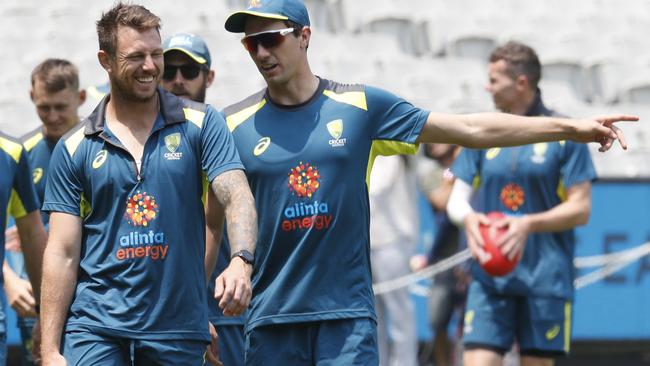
(234, 195)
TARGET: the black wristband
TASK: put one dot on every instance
(245, 255)
(37, 308)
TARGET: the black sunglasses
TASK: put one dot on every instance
(267, 39)
(189, 72)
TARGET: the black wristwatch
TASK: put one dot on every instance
(245, 255)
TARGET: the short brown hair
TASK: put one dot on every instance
(134, 16)
(521, 60)
(56, 75)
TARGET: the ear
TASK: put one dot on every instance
(522, 82)
(210, 78)
(105, 60)
(305, 37)
(82, 96)
(31, 94)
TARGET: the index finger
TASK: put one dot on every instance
(617, 118)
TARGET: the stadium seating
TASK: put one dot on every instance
(432, 52)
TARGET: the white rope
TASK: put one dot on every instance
(428, 272)
(605, 259)
(610, 263)
(615, 264)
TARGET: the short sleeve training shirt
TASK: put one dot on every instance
(524, 180)
(17, 194)
(308, 167)
(39, 152)
(141, 273)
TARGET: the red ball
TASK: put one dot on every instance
(498, 264)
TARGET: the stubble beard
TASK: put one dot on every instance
(122, 91)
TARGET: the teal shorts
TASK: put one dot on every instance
(540, 325)
(84, 348)
(329, 342)
(231, 344)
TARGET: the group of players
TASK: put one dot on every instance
(138, 192)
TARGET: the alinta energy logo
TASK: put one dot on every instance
(304, 181)
(141, 210)
(513, 196)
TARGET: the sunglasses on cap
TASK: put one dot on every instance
(268, 39)
(189, 72)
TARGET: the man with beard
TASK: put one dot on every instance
(188, 75)
(124, 265)
(187, 66)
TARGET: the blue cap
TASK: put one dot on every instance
(191, 45)
(293, 10)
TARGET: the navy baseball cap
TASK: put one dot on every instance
(293, 10)
(191, 45)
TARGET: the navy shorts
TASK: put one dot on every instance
(541, 325)
(84, 348)
(231, 344)
(329, 342)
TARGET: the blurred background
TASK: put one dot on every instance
(434, 53)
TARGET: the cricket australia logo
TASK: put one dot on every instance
(335, 128)
(172, 143)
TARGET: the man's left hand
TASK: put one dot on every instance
(603, 131)
(233, 287)
(513, 241)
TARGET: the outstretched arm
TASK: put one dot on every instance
(483, 130)
(233, 286)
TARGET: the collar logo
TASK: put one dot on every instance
(37, 174)
(172, 143)
(100, 159)
(335, 128)
(261, 146)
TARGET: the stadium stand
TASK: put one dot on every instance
(433, 52)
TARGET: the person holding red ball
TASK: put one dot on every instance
(544, 191)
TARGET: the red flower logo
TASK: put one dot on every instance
(513, 196)
(141, 209)
(304, 180)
